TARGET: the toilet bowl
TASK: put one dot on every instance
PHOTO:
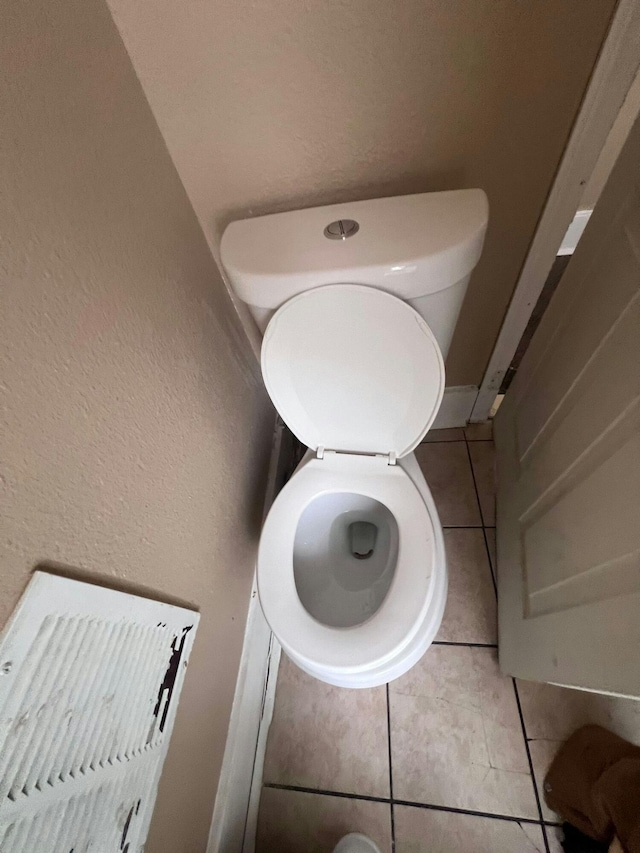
(355, 842)
(347, 622)
(352, 572)
(358, 303)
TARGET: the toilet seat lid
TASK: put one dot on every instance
(353, 368)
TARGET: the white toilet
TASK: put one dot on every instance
(358, 303)
(355, 842)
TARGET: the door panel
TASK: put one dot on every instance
(568, 451)
(576, 344)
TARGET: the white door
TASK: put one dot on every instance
(568, 448)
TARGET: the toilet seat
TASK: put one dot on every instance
(358, 377)
(354, 369)
(393, 626)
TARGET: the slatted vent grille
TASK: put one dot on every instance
(90, 679)
(108, 812)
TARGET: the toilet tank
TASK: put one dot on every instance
(421, 248)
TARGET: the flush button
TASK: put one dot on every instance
(341, 229)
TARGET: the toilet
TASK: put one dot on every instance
(355, 842)
(357, 304)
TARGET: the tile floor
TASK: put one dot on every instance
(450, 757)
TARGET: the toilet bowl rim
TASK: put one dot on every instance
(394, 625)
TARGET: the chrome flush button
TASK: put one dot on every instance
(341, 229)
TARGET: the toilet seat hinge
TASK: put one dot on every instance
(390, 458)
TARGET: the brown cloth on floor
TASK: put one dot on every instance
(594, 784)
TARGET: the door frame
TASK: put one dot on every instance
(612, 77)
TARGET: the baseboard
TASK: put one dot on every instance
(251, 824)
(457, 403)
(235, 814)
(234, 787)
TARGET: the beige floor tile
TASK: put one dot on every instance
(483, 460)
(553, 713)
(295, 822)
(327, 737)
(448, 473)
(470, 613)
(493, 550)
(479, 432)
(456, 737)
(430, 831)
(455, 434)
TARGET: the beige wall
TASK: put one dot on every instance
(617, 137)
(134, 428)
(280, 104)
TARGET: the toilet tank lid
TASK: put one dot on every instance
(408, 245)
(353, 369)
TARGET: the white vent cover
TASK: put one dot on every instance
(89, 683)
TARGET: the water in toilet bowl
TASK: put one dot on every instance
(344, 557)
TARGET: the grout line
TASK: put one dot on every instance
(529, 759)
(393, 822)
(398, 802)
(324, 793)
(475, 485)
(470, 812)
(462, 527)
(492, 568)
(465, 645)
(484, 532)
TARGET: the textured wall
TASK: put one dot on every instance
(618, 134)
(279, 104)
(134, 429)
